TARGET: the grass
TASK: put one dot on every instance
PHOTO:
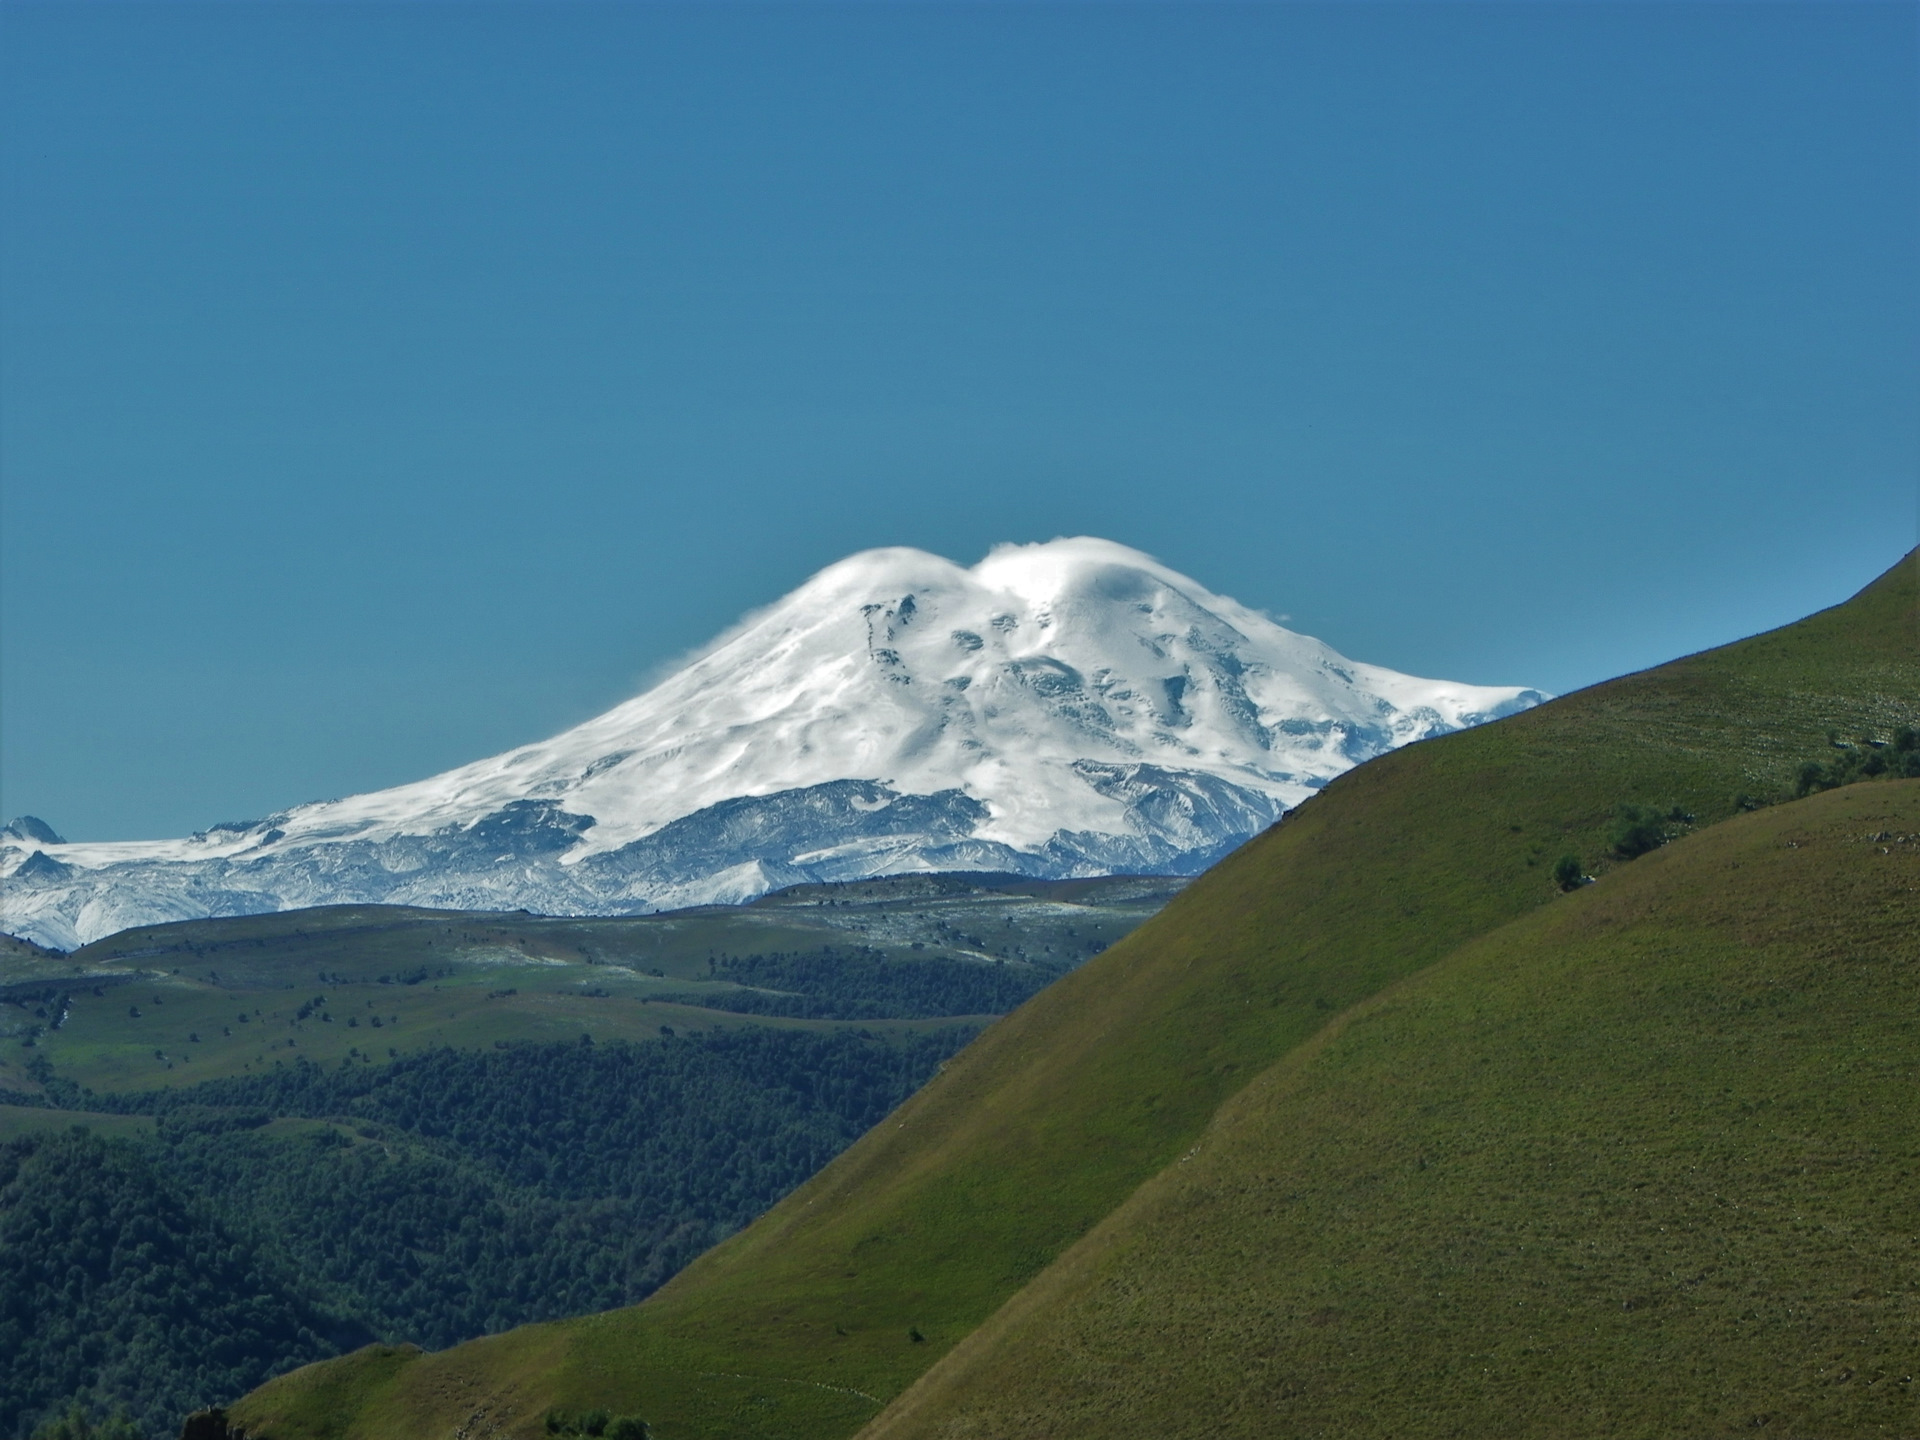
(17, 1121)
(331, 1394)
(15, 952)
(1641, 1163)
(804, 1324)
(161, 1005)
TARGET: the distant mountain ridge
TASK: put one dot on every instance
(1063, 709)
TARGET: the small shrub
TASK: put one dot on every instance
(598, 1424)
(1567, 873)
(1638, 829)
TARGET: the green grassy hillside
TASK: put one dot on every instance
(808, 1322)
(1646, 1162)
(179, 1004)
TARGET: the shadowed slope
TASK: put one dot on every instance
(804, 1324)
(1644, 1162)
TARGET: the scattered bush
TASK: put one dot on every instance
(1640, 828)
(1862, 759)
(598, 1424)
(1567, 872)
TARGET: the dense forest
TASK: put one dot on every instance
(121, 1289)
(280, 1217)
(470, 1178)
(835, 983)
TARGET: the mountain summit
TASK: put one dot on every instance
(1061, 709)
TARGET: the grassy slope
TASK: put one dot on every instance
(138, 998)
(1643, 1163)
(802, 1324)
(13, 949)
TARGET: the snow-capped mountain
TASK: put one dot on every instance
(1070, 708)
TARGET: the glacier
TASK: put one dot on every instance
(1070, 708)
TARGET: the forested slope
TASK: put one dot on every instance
(119, 1288)
(809, 1321)
(439, 1125)
(263, 1221)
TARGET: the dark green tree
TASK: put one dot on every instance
(1638, 829)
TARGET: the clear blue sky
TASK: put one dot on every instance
(384, 385)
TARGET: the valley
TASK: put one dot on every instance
(986, 1189)
(959, 721)
(1553, 1067)
(229, 1147)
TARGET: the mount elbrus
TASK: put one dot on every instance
(1064, 709)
